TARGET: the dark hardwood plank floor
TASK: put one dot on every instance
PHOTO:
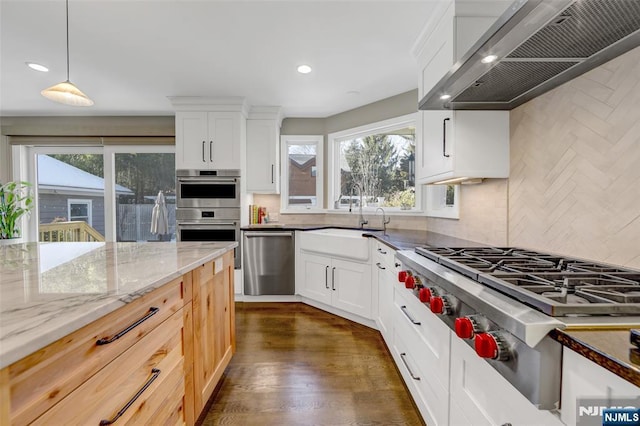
(297, 365)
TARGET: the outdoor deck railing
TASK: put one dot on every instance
(76, 231)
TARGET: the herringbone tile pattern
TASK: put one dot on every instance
(574, 185)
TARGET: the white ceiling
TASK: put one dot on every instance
(129, 56)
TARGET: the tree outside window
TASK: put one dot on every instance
(383, 165)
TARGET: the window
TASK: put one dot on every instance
(443, 201)
(69, 194)
(302, 172)
(112, 189)
(375, 165)
(79, 210)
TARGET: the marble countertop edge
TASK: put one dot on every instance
(23, 332)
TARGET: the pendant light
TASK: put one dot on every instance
(66, 92)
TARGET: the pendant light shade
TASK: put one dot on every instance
(66, 92)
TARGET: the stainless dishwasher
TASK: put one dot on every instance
(268, 263)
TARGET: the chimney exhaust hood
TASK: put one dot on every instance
(539, 44)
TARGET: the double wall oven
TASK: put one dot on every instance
(208, 206)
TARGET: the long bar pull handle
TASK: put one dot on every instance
(404, 361)
(203, 160)
(326, 277)
(404, 310)
(444, 137)
(380, 266)
(272, 166)
(107, 340)
(267, 234)
(333, 278)
(154, 375)
(210, 150)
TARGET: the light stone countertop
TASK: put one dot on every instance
(49, 290)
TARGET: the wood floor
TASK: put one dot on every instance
(297, 365)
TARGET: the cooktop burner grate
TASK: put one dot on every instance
(553, 284)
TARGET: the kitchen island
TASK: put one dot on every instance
(75, 317)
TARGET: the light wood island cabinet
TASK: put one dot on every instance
(213, 323)
(155, 360)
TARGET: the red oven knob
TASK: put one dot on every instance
(424, 294)
(465, 327)
(410, 282)
(402, 276)
(491, 345)
(440, 305)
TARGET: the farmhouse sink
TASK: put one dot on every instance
(346, 243)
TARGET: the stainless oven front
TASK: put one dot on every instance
(207, 188)
(221, 224)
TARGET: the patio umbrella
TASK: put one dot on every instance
(160, 217)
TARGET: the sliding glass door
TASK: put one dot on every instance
(86, 193)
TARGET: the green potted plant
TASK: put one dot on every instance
(16, 200)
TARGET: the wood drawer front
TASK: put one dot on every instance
(107, 392)
(42, 379)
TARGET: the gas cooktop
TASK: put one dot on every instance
(555, 285)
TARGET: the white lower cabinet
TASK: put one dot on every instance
(582, 378)
(385, 276)
(421, 351)
(385, 280)
(480, 393)
(339, 283)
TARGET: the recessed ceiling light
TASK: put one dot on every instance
(304, 69)
(37, 67)
(488, 59)
(445, 97)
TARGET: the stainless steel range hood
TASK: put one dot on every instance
(540, 44)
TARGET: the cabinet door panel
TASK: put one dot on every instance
(582, 378)
(439, 53)
(351, 287)
(224, 140)
(487, 397)
(213, 340)
(262, 156)
(192, 145)
(386, 279)
(316, 278)
(436, 135)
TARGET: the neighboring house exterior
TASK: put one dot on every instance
(66, 193)
(302, 179)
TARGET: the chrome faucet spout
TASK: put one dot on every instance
(385, 220)
(361, 220)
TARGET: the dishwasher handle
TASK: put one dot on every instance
(268, 234)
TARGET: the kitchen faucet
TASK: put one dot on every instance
(385, 221)
(361, 220)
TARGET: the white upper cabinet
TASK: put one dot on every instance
(444, 41)
(263, 153)
(209, 132)
(458, 144)
(463, 144)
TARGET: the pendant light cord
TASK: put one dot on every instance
(67, 3)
